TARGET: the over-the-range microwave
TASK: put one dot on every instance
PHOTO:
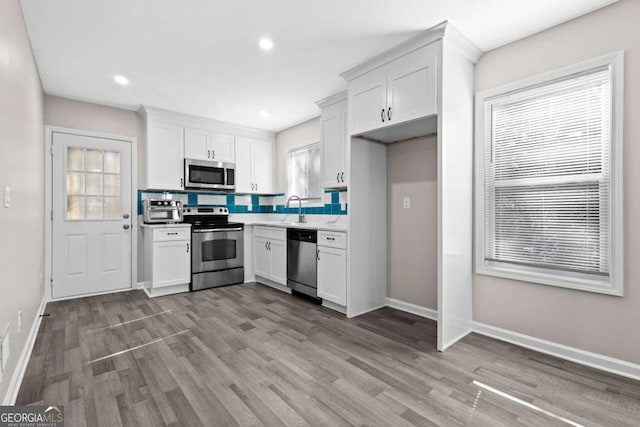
(208, 175)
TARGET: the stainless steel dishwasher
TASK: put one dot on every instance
(302, 261)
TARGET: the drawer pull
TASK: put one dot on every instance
(172, 234)
(331, 238)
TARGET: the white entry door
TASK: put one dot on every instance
(91, 227)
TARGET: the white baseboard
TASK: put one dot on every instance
(573, 354)
(21, 367)
(93, 294)
(583, 357)
(418, 310)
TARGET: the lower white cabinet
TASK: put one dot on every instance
(270, 253)
(332, 267)
(167, 259)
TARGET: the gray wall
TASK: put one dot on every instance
(21, 168)
(598, 323)
(74, 114)
(412, 271)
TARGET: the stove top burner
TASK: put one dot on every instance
(207, 216)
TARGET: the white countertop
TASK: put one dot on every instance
(178, 225)
(308, 225)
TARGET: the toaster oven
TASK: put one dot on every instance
(161, 211)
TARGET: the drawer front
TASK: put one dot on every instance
(333, 239)
(270, 233)
(167, 234)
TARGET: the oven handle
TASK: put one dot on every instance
(217, 230)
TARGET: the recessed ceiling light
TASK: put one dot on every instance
(121, 80)
(264, 113)
(265, 44)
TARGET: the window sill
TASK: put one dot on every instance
(580, 282)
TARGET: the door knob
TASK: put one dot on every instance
(126, 226)
(125, 216)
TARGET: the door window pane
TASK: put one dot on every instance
(75, 207)
(75, 159)
(92, 184)
(94, 207)
(111, 162)
(94, 161)
(75, 183)
(112, 185)
(112, 207)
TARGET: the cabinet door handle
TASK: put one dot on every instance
(389, 113)
(342, 176)
(213, 154)
(208, 154)
(181, 182)
(318, 254)
(256, 186)
(126, 226)
(266, 246)
(187, 248)
(338, 177)
(269, 245)
(382, 115)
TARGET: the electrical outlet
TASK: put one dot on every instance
(19, 320)
(406, 203)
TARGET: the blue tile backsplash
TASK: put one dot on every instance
(335, 203)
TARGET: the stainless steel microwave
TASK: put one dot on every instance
(208, 175)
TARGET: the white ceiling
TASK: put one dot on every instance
(201, 57)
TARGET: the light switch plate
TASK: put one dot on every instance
(406, 203)
(7, 196)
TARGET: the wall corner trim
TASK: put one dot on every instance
(21, 367)
(418, 310)
(573, 354)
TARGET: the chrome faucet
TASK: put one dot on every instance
(301, 217)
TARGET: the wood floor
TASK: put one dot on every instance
(249, 355)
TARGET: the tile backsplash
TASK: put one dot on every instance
(334, 202)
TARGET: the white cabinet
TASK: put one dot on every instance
(332, 267)
(167, 266)
(333, 140)
(207, 145)
(254, 165)
(270, 254)
(164, 155)
(397, 92)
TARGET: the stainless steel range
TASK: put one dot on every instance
(217, 256)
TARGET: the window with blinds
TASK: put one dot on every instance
(547, 182)
(304, 172)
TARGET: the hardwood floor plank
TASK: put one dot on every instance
(249, 355)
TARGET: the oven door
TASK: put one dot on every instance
(217, 249)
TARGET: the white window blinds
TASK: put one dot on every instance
(547, 189)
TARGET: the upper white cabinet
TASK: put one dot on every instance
(223, 148)
(207, 145)
(171, 137)
(164, 152)
(401, 90)
(254, 166)
(333, 140)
